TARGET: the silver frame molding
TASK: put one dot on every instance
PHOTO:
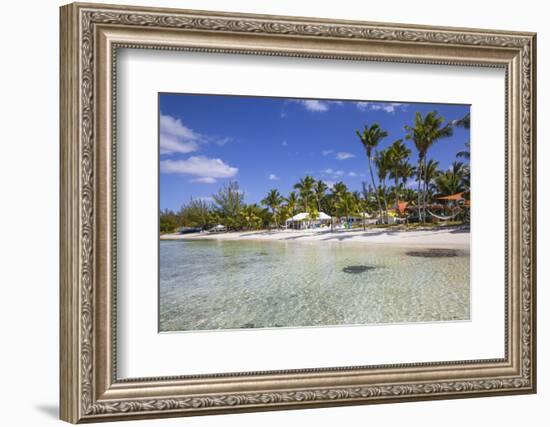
(90, 37)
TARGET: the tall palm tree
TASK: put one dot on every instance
(273, 201)
(305, 187)
(370, 138)
(292, 203)
(424, 133)
(319, 190)
(406, 172)
(383, 160)
(430, 172)
(399, 154)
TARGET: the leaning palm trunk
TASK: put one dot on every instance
(374, 189)
(386, 221)
(418, 192)
(396, 196)
(425, 192)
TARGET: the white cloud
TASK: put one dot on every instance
(327, 152)
(353, 174)
(170, 144)
(175, 137)
(388, 107)
(332, 173)
(329, 184)
(206, 170)
(342, 155)
(222, 141)
(204, 180)
(273, 177)
(314, 105)
(284, 144)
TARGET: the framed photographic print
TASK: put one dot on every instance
(263, 212)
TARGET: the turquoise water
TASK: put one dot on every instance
(207, 284)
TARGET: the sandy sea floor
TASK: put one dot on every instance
(288, 279)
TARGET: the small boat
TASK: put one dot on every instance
(218, 229)
(187, 230)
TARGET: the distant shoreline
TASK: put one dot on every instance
(456, 238)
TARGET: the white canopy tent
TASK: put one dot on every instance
(302, 220)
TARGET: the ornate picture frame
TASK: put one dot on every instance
(90, 37)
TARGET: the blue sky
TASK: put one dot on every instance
(264, 143)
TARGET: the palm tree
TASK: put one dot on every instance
(398, 158)
(406, 171)
(464, 122)
(383, 160)
(424, 133)
(339, 190)
(292, 203)
(251, 216)
(466, 152)
(430, 172)
(273, 201)
(347, 205)
(362, 205)
(370, 138)
(283, 213)
(305, 187)
(369, 197)
(450, 182)
(319, 189)
(459, 168)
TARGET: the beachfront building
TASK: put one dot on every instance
(360, 219)
(302, 221)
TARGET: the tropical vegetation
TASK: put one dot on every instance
(398, 187)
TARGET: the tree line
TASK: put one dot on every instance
(391, 166)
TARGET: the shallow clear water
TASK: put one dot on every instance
(208, 284)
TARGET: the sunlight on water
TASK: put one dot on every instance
(234, 284)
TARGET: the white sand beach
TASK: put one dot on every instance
(454, 238)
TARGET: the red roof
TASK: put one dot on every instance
(457, 196)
